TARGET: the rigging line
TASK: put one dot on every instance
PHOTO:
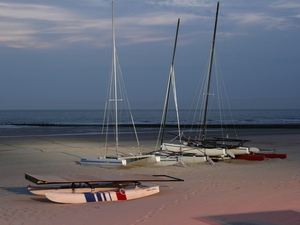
(197, 99)
(198, 102)
(227, 100)
(218, 88)
(108, 106)
(163, 119)
(176, 106)
(124, 96)
(104, 116)
(171, 84)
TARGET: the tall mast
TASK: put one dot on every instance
(209, 76)
(170, 81)
(114, 71)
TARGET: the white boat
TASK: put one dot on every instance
(165, 159)
(236, 146)
(81, 189)
(192, 159)
(171, 159)
(142, 160)
(184, 148)
(117, 88)
(127, 193)
(104, 161)
(216, 147)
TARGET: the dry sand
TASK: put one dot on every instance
(235, 192)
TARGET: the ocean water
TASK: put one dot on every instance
(148, 117)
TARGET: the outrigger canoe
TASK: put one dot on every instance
(78, 189)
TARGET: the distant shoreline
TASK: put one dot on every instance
(239, 126)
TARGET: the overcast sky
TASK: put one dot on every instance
(57, 54)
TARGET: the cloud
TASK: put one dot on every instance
(264, 20)
(23, 25)
(286, 5)
(89, 22)
(35, 12)
(43, 26)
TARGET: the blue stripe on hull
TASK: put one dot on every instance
(99, 197)
(90, 197)
(104, 196)
(109, 196)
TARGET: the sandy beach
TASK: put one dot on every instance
(230, 192)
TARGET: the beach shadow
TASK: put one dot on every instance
(261, 218)
(41, 199)
(17, 190)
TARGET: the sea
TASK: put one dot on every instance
(146, 117)
(25, 123)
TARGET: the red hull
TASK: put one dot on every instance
(261, 156)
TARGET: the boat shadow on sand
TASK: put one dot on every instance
(17, 190)
(24, 191)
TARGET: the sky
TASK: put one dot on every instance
(57, 54)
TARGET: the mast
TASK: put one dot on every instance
(114, 72)
(209, 76)
(170, 81)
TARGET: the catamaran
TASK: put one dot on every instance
(168, 158)
(117, 88)
(201, 145)
(97, 188)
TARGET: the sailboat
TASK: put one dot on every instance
(166, 157)
(118, 160)
(215, 147)
(185, 147)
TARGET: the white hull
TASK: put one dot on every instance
(105, 162)
(199, 151)
(167, 161)
(192, 159)
(240, 150)
(118, 195)
(254, 150)
(142, 160)
(243, 150)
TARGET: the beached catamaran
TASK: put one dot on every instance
(167, 158)
(201, 146)
(185, 148)
(117, 88)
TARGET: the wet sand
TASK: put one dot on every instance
(230, 192)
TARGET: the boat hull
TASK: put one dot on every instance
(244, 150)
(167, 161)
(105, 162)
(198, 151)
(192, 159)
(240, 150)
(142, 160)
(117, 195)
